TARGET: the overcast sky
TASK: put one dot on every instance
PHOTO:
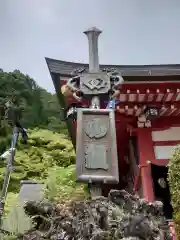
(134, 32)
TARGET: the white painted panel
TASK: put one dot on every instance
(171, 134)
(122, 97)
(159, 97)
(150, 97)
(169, 97)
(132, 97)
(141, 97)
(163, 152)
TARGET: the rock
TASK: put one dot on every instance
(42, 207)
(120, 216)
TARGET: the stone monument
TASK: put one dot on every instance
(96, 148)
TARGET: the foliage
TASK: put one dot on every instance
(45, 149)
(62, 186)
(174, 183)
(52, 112)
(32, 104)
(17, 222)
(48, 154)
(10, 202)
(8, 237)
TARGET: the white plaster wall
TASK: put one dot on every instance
(171, 134)
(163, 152)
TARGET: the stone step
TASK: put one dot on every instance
(31, 190)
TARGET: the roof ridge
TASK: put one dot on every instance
(65, 68)
(128, 66)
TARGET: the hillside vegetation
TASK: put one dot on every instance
(44, 150)
(32, 104)
(48, 154)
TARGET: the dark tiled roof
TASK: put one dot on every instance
(65, 68)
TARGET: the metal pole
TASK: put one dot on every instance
(8, 171)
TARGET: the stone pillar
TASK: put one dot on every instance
(93, 34)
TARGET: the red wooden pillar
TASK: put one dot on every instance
(146, 153)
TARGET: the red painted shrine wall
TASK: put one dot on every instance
(146, 145)
(144, 137)
(154, 143)
(122, 136)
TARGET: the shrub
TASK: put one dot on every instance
(10, 201)
(174, 184)
(62, 186)
(17, 222)
(44, 150)
(47, 156)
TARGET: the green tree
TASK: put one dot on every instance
(32, 104)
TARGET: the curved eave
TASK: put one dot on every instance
(65, 68)
(58, 68)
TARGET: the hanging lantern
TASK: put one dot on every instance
(151, 112)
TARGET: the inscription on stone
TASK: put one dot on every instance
(96, 157)
(96, 146)
(96, 128)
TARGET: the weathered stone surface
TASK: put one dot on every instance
(120, 216)
(96, 128)
(96, 157)
(31, 190)
(96, 148)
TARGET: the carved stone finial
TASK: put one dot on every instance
(93, 34)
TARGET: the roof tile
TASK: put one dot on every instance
(66, 68)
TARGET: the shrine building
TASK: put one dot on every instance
(147, 119)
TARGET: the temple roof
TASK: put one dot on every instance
(65, 68)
